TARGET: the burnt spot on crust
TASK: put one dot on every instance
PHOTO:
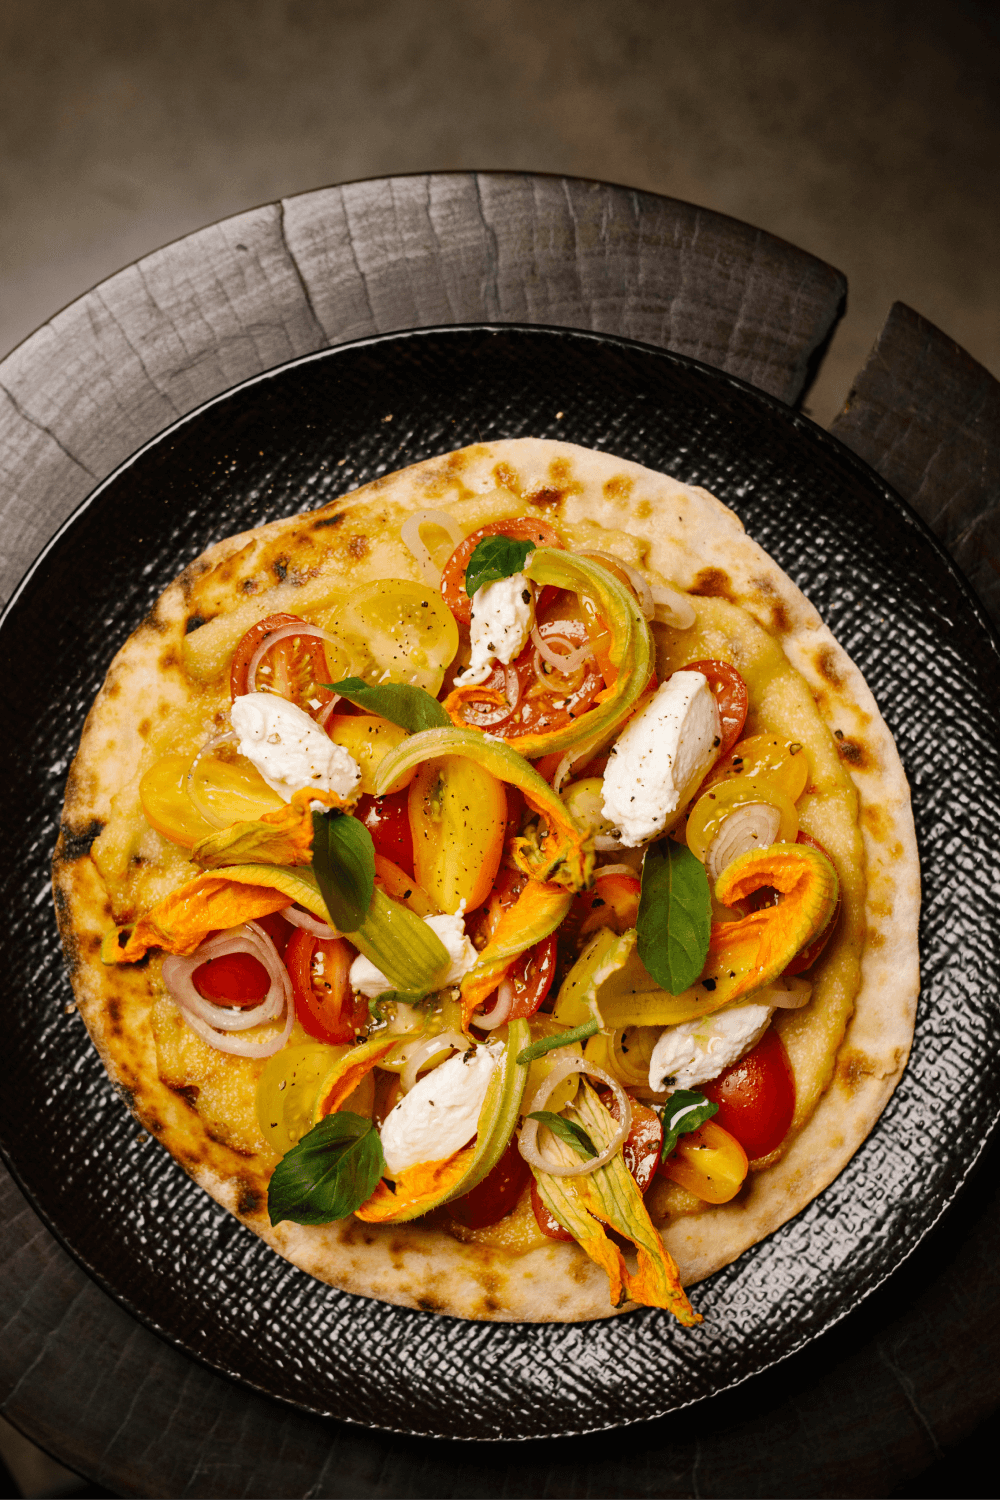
(249, 586)
(506, 478)
(249, 1198)
(326, 521)
(854, 752)
(618, 487)
(579, 1269)
(430, 1304)
(280, 568)
(713, 583)
(853, 1068)
(74, 843)
(773, 602)
(169, 659)
(827, 666)
(876, 822)
(643, 510)
(115, 1011)
(874, 938)
(193, 622)
(547, 499)
(188, 1092)
(358, 546)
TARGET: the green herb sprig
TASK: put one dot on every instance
(344, 864)
(675, 916)
(549, 1043)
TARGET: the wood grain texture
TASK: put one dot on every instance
(193, 319)
(927, 417)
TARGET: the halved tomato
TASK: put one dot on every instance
(458, 818)
(531, 696)
(521, 529)
(388, 822)
(709, 1162)
(730, 694)
(319, 969)
(756, 1096)
(496, 1196)
(232, 979)
(293, 668)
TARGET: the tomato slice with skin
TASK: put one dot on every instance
(640, 1153)
(297, 666)
(532, 978)
(319, 970)
(709, 1162)
(278, 929)
(756, 1096)
(236, 979)
(520, 529)
(496, 1196)
(546, 702)
(388, 821)
(731, 696)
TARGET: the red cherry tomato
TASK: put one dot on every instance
(319, 969)
(296, 665)
(756, 1097)
(640, 1152)
(612, 901)
(730, 694)
(523, 529)
(808, 956)
(232, 979)
(278, 929)
(388, 822)
(496, 1196)
(532, 978)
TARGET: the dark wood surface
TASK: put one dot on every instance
(898, 1386)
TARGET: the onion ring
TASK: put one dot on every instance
(563, 662)
(642, 590)
(409, 534)
(670, 607)
(528, 1144)
(215, 1023)
(305, 919)
(420, 1053)
(283, 633)
(499, 1013)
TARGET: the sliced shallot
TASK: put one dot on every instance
(201, 806)
(565, 663)
(642, 589)
(410, 536)
(528, 1145)
(419, 1054)
(755, 825)
(300, 918)
(216, 1023)
(670, 607)
(500, 1011)
(284, 633)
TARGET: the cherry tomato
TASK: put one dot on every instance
(640, 1153)
(546, 699)
(730, 694)
(612, 901)
(522, 529)
(278, 929)
(506, 888)
(496, 1196)
(709, 1162)
(756, 1096)
(808, 956)
(293, 668)
(545, 1218)
(388, 822)
(532, 978)
(319, 969)
(232, 979)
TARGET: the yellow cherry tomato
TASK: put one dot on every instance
(709, 1162)
(232, 792)
(724, 797)
(458, 816)
(408, 630)
(368, 738)
(287, 1090)
(782, 762)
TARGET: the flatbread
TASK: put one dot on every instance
(150, 705)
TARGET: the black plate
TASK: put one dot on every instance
(291, 440)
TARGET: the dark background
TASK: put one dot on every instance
(866, 133)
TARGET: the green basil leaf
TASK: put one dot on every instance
(685, 1110)
(567, 1130)
(410, 707)
(344, 865)
(495, 557)
(549, 1043)
(330, 1173)
(675, 916)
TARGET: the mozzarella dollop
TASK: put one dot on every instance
(660, 758)
(696, 1051)
(503, 614)
(441, 1112)
(462, 956)
(289, 749)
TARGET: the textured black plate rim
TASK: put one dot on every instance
(906, 513)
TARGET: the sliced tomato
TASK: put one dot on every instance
(294, 668)
(730, 694)
(319, 969)
(232, 979)
(545, 1218)
(756, 1096)
(709, 1162)
(640, 1153)
(278, 929)
(612, 901)
(808, 956)
(506, 888)
(388, 822)
(496, 1196)
(521, 529)
(532, 978)
(543, 699)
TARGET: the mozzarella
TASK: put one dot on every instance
(660, 758)
(503, 614)
(289, 749)
(462, 956)
(441, 1112)
(697, 1051)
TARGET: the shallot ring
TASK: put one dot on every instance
(528, 1144)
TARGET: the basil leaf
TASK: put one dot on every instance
(549, 1043)
(675, 916)
(330, 1173)
(495, 557)
(410, 707)
(567, 1130)
(685, 1110)
(344, 864)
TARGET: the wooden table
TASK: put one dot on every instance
(893, 1392)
